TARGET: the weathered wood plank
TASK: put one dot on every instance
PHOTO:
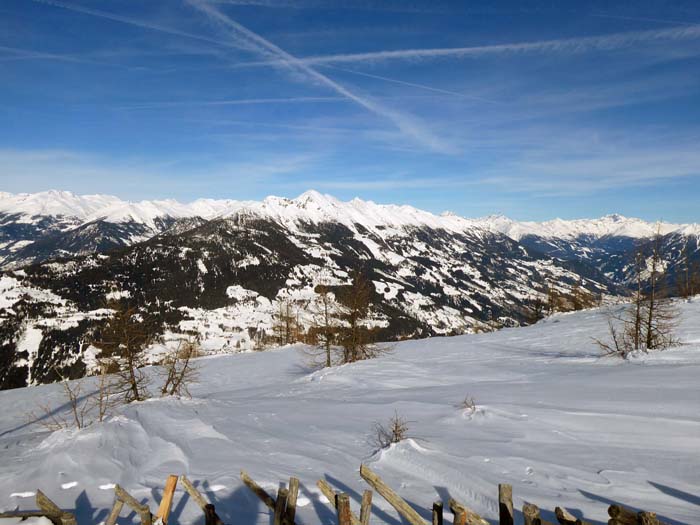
(470, 517)
(193, 492)
(330, 495)
(53, 511)
(143, 511)
(622, 515)
(292, 499)
(392, 497)
(564, 517)
(46, 505)
(258, 490)
(366, 507)
(531, 514)
(342, 506)
(166, 503)
(505, 504)
(114, 513)
(647, 518)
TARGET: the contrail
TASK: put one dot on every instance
(412, 84)
(566, 45)
(264, 47)
(233, 102)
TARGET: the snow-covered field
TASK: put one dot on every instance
(561, 424)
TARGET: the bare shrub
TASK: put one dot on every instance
(467, 404)
(393, 431)
(85, 408)
(179, 370)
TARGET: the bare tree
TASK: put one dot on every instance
(648, 323)
(658, 312)
(179, 370)
(356, 337)
(326, 324)
(285, 323)
(535, 311)
(123, 341)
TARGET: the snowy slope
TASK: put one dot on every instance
(561, 424)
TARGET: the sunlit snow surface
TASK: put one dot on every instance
(561, 424)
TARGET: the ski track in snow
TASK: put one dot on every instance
(562, 425)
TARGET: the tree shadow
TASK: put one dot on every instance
(86, 513)
(323, 510)
(676, 493)
(607, 501)
(46, 416)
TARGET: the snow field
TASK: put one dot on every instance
(561, 424)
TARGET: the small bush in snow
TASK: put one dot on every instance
(393, 431)
(467, 404)
(179, 371)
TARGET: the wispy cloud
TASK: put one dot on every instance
(234, 102)
(137, 178)
(566, 45)
(256, 43)
(580, 165)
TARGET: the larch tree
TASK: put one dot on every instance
(356, 337)
(123, 341)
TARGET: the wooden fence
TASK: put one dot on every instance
(283, 506)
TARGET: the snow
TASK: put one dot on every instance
(314, 207)
(560, 423)
(610, 225)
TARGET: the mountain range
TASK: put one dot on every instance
(221, 269)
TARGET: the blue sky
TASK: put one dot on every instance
(532, 109)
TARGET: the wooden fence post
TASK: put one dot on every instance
(505, 504)
(166, 502)
(531, 514)
(343, 509)
(437, 513)
(292, 499)
(392, 497)
(257, 490)
(366, 507)
(280, 506)
(210, 515)
(331, 496)
(648, 518)
(114, 513)
(621, 515)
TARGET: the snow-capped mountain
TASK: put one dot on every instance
(41, 226)
(222, 268)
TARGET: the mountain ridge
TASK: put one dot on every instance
(109, 208)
